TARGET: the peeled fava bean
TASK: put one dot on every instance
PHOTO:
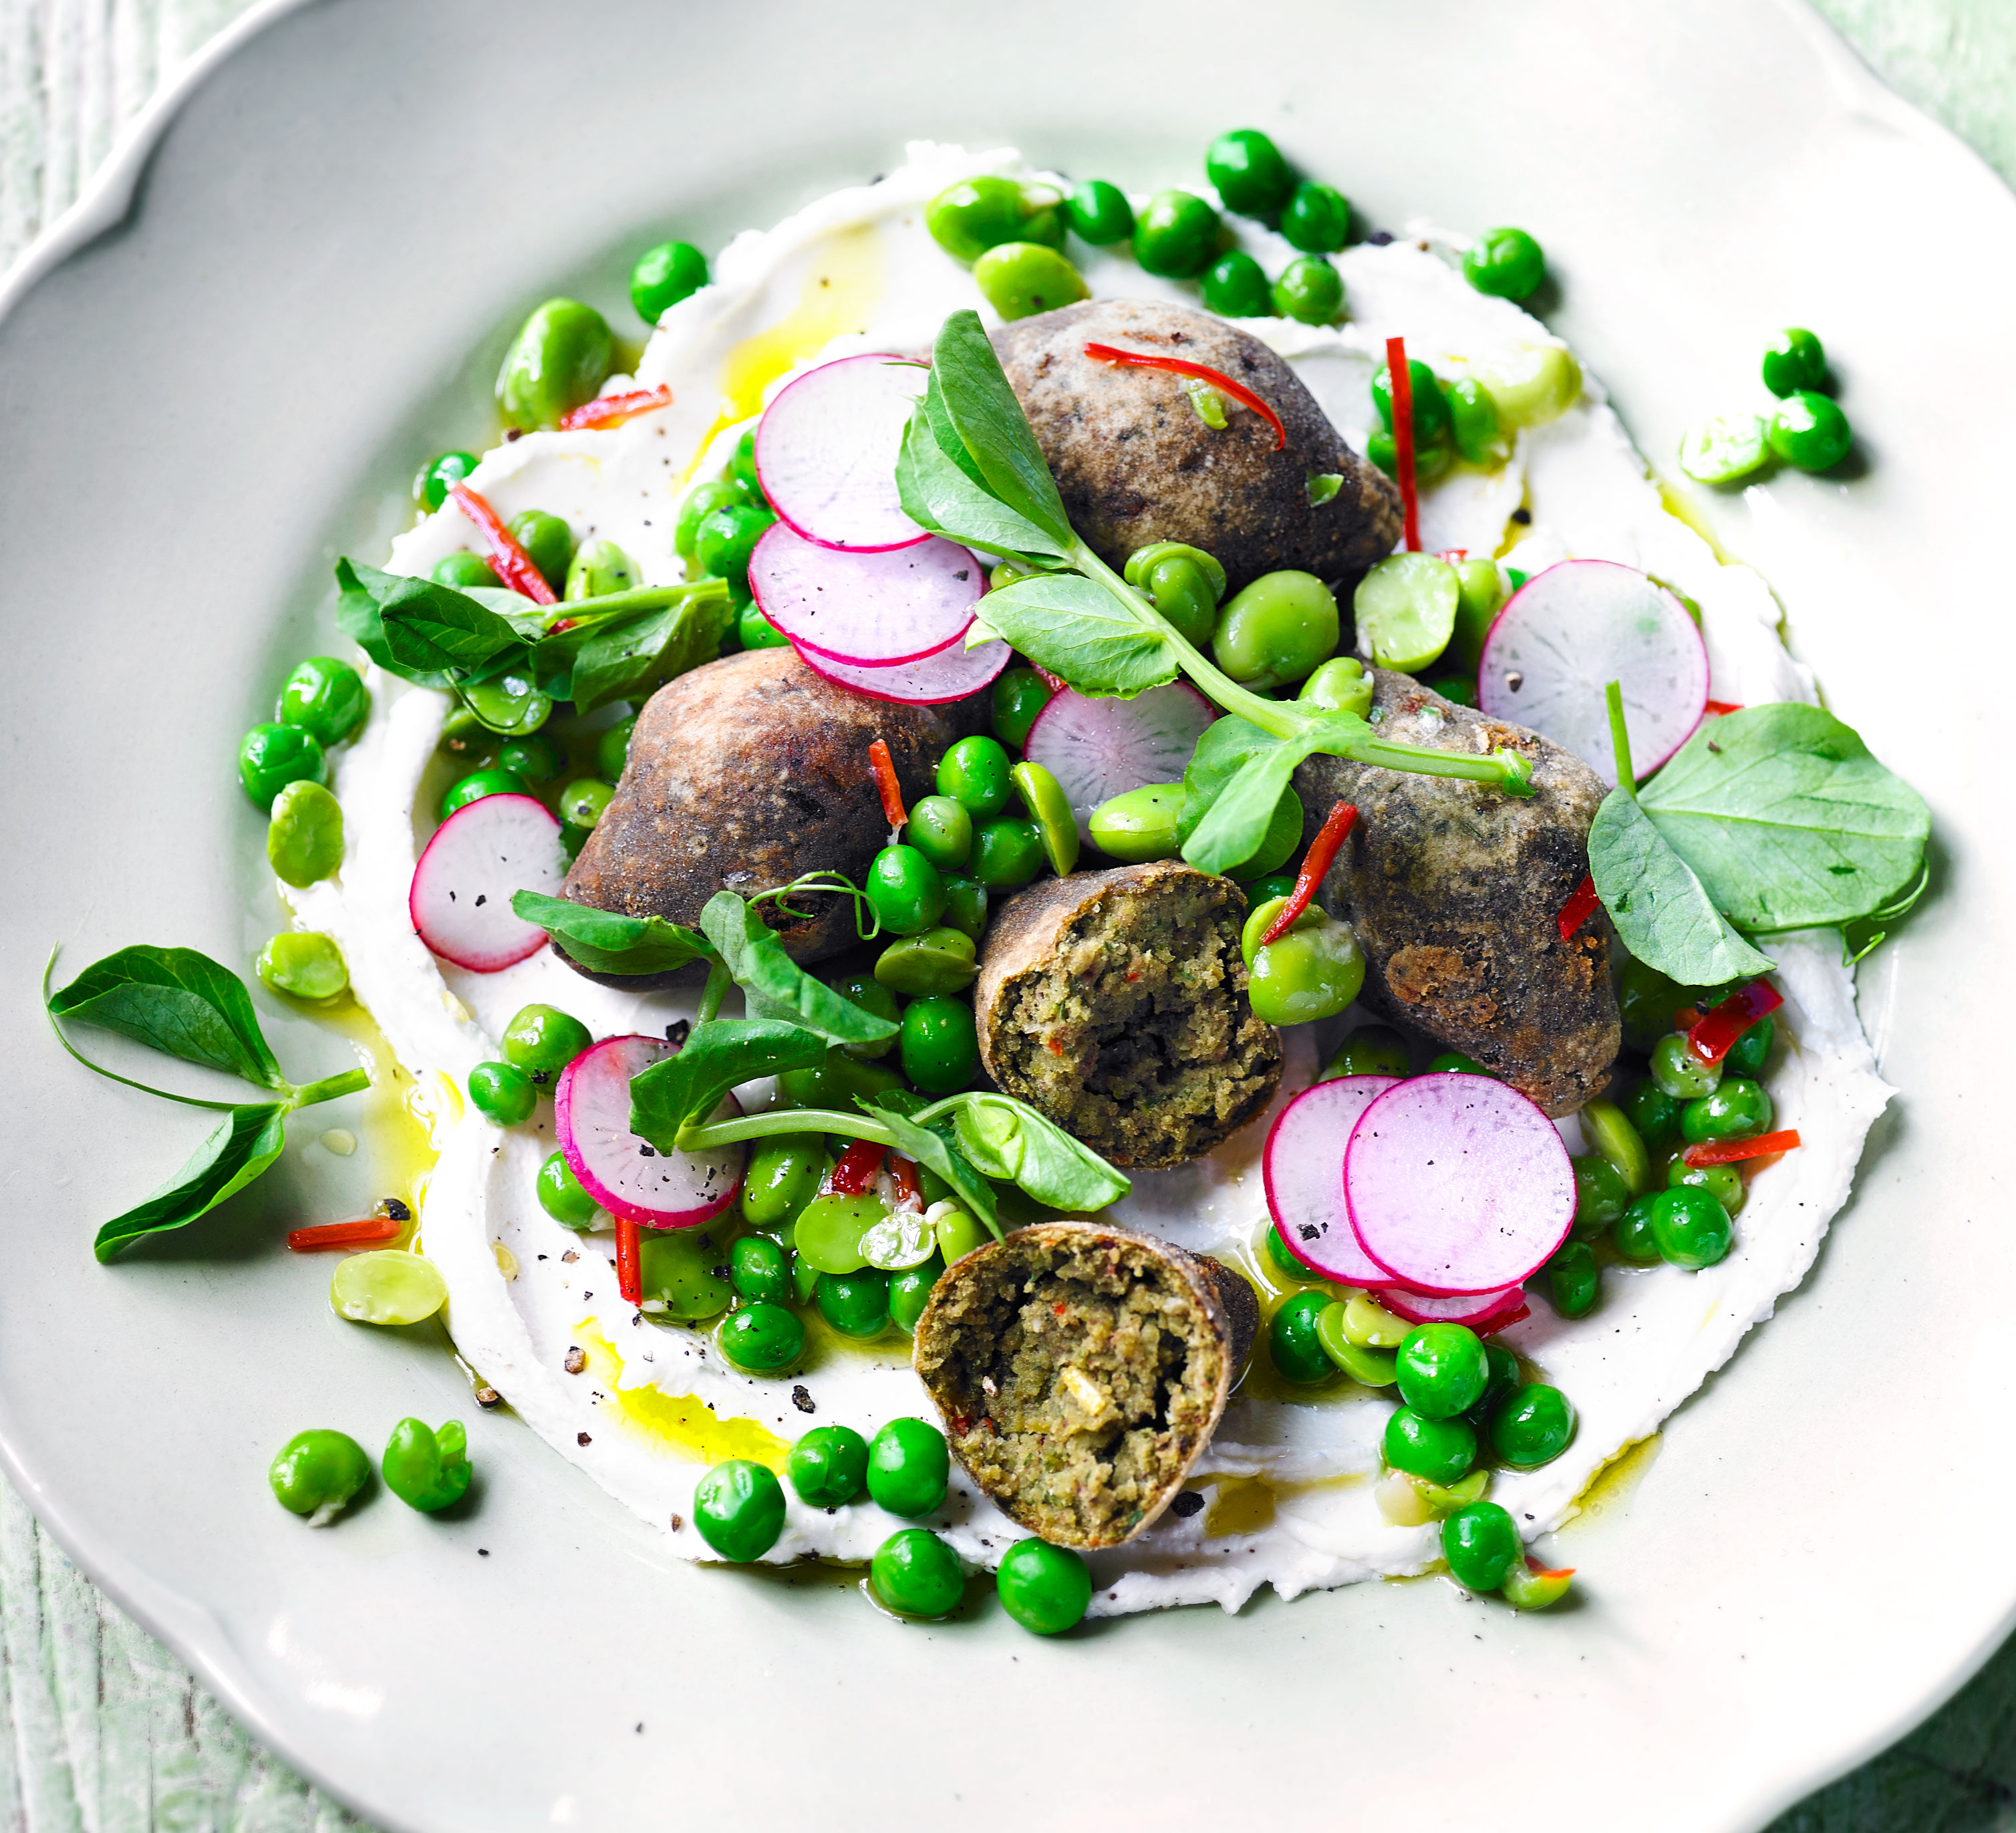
(558, 360)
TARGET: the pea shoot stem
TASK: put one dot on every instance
(784, 1120)
(1620, 740)
(718, 981)
(575, 612)
(350, 1082)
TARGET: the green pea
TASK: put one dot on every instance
(726, 537)
(836, 1083)
(271, 757)
(966, 906)
(1056, 827)
(1339, 685)
(426, 1469)
(1736, 1109)
(440, 475)
(1573, 1279)
(1441, 1370)
(1533, 1425)
(479, 783)
(1724, 1182)
(762, 1337)
(916, 1574)
(663, 276)
(1276, 884)
(1316, 219)
(1459, 690)
(502, 1093)
(759, 1270)
(1139, 823)
(1747, 1055)
(305, 838)
(1406, 610)
(905, 891)
(910, 1291)
(828, 1231)
(1283, 1255)
(1507, 264)
(303, 965)
(532, 757)
(1632, 1232)
(1601, 1194)
(742, 467)
(1235, 286)
(324, 698)
(1248, 172)
(1475, 427)
(1277, 630)
(700, 503)
(908, 1468)
(1176, 236)
(1298, 1355)
(387, 1287)
(612, 750)
(1440, 1449)
(968, 218)
(1480, 593)
(1310, 291)
(1007, 853)
(974, 774)
(542, 1040)
(1725, 448)
(557, 361)
(466, 571)
(584, 802)
(1019, 696)
(1431, 416)
(1456, 1063)
(1481, 1542)
(739, 1508)
(1431, 458)
(1371, 1050)
(1616, 1140)
(562, 1195)
(315, 1473)
(683, 1274)
(1502, 1379)
(1810, 431)
(958, 1234)
(828, 1467)
(1795, 360)
(598, 568)
(1100, 214)
(548, 542)
(855, 1304)
(939, 961)
(1679, 1072)
(1371, 1368)
(782, 1177)
(942, 830)
(1020, 278)
(940, 1045)
(1688, 1226)
(804, 1279)
(1314, 971)
(1524, 1589)
(757, 632)
(1044, 1588)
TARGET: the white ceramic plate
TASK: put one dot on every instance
(204, 405)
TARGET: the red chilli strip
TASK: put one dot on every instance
(514, 566)
(613, 410)
(1579, 908)
(1766, 1145)
(629, 1262)
(886, 785)
(1105, 353)
(1686, 1018)
(1723, 706)
(1403, 439)
(344, 1234)
(909, 1186)
(1322, 856)
(1710, 1040)
(856, 1172)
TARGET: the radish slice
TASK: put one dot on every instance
(1303, 1167)
(951, 674)
(826, 450)
(1098, 748)
(1457, 1184)
(629, 1177)
(460, 900)
(868, 610)
(1571, 629)
(1485, 1311)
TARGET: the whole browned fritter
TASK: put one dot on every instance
(1136, 464)
(745, 774)
(1455, 889)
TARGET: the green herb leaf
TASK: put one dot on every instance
(718, 1056)
(1039, 1157)
(936, 1153)
(774, 985)
(989, 422)
(245, 1141)
(939, 493)
(1665, 917)
(1074, 627)
(431, 629)
(1787, 820)
(1323, 487)
(624, 652)
(362, 589)
(176, 1001)
(604, 942)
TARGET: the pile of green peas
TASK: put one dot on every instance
(1807, 430)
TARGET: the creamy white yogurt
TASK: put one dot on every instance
(1291, 1481)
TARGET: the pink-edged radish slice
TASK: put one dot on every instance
(1302, 1166)
(865, 611)
(1482, 1312)
(460, 899)
(826, 450)
(1098, 748)
(951, 674)
(1567, 632)
(1457, 1184)
(629, 1177)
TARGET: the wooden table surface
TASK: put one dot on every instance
(102, 1730)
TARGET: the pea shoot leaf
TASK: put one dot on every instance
(1665, 917)
(1786, 819)
(243, 1143)
(1008, 1138)
(604, 942)
(625, 653)
(431, 629)
(179, 1002)
(774, 985)
(939, 491)
(718, 1056)
(933, 1151)
(988, 420)
(1074, 627)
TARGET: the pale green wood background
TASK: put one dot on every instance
(101, 1731)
